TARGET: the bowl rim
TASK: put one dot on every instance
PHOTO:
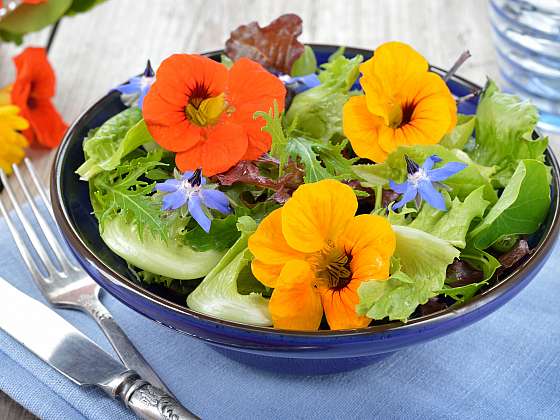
(495, 291)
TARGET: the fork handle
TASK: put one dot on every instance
(124, 348)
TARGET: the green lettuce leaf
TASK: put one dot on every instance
(504, 128)
(169, 259)
(305, 64)
(423, 262)
(218, 295)
(223, 234)
(462, 183)
(453, 224)
(117, 137)
(522, 207)
(461, 134)
(317, 112)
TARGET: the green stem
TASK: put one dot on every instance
(378, 197)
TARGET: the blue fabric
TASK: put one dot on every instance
(507, 366)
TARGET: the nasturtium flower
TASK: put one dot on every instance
(315, 253)
(404, 104)
(300, 84)
(32, 92)
(203, 112)
(139, 85)
(422, 181)
(191, 190)
(12, 142)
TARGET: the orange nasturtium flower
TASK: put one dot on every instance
(32, 92)
(12, 142)
(404, 104)
(204, 112)
(315, 253)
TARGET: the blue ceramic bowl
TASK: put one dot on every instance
(286, 351)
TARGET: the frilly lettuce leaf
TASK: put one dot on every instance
(317, 112)
(218, 295)
(504, 128)
(117, 137)
(462, 183)
(522, 207)
(305, 64)
(423, 260)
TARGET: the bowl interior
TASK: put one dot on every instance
(72, 195)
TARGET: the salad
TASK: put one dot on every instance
(268, 190)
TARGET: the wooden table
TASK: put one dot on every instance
(96, 51)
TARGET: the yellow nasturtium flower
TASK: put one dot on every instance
(315, 253)
(404, 104)
(12, 142)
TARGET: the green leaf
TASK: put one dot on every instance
(169, 259)
(223, 234)
(453, 224)
(338, 53)
(317, 112)
(305, 64)
(34, 17)
(10, 37)
(460, 134)
(462, 183)
(504, 128)
(81, 6)
(423, 263)
(273, 127)
(218, 296)
(117, 137)
(522, 207)
(481, 260)
(226, 61)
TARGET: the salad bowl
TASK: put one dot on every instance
(279, 350)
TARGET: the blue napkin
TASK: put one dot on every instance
(506, 366)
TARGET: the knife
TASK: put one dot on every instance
(67, 350)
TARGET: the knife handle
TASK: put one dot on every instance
(151, 403)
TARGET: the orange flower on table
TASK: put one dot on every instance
(204, 112)
(32, 92)
(404, 104)
(315, 253)
(12, 142)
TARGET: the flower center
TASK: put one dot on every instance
(400, 115)
(333, 267)
(418, 176)
(205, 111)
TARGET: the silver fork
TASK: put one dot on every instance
(62, 282)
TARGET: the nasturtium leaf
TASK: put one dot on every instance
(81, 6)
(460, 134)
(33, 17)
(218, 296)
(423, 262)
(275, 46)
(504, 129)
(522, 207)
(305, 64)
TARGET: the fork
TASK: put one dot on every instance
(62, 282)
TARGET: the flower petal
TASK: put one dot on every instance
(362, 129)
(132, 86)
(33, 68)
(216, 200)
(174, 200)
(295, 303)
(317, 213)
(267, 274)
(268, 244)
(409, 195)
(340, 307)
(195, 210)
(430, 162)
(446, 171)
(46, 123)
(366, 231)
(432, 196)
(169, 186)
(398, 188)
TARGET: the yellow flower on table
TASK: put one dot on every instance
(315, 253)
(12, 142)
(404, 104)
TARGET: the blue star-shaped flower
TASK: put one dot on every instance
(422, 182)
(139, 85)
(191, 190)
(300, 84)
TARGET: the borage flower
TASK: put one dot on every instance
(422, 181)
(315, 253)
(12, 142)
(404, 104)
(300, 84)
(139, 85)
(204, 112)
(191, 190)
(32, 92)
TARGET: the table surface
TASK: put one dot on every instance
(96, 51)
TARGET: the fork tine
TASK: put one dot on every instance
(47, 231)
(39, 279)
(34, 239)
(39, 185)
